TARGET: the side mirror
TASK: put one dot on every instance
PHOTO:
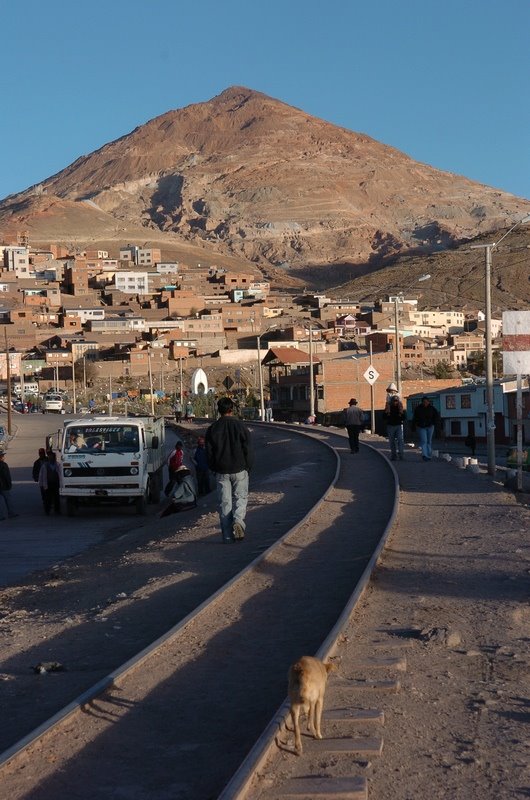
(155, 444)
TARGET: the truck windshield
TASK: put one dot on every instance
(108, 438)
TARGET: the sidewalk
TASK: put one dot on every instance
(440, 644)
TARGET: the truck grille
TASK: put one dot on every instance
(69, 486)
(98, 472)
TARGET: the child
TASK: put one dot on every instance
(201, 467)
(175, 460)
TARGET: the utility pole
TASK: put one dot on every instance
(8, 378)
(260, 374)
(74, 397)
(372, 399)
(151, 390)
(181, 382)
(490, 402)
(311, 384)
(22, 386)
(398, 349)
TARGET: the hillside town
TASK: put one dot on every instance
(135, 327)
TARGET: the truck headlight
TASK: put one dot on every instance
(67, 473)
(134, 470)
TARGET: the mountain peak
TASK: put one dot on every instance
(246, 175)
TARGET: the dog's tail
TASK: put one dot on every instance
(330, 667)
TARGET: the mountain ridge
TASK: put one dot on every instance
(249, 178)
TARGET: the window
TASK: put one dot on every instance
(450, 401)
(465, 401)
(455, 427)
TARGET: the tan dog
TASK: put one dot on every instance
(307, 686)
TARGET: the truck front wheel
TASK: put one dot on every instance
(141, 503)
(155, 487)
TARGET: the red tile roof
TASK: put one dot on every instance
(288, 355)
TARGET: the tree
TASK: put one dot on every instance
(84, 370)
(442, 370)
(476, 362)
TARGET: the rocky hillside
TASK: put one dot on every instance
(245, 177)
(457, 276)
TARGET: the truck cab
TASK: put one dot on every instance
(112, 459)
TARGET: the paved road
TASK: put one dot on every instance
(34, 541)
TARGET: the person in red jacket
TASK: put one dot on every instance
(175, 460)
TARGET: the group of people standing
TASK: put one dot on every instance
(45, 472)
(179, 409)
(424, 421)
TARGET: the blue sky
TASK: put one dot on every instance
(445, 81)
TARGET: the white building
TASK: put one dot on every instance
(131, 282)
(86, 314)
(448, 321)
(16, 259)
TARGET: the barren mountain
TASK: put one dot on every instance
(456, 277)
(244, 177)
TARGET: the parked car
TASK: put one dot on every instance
(53, 402)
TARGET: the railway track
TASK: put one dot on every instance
(180, 718)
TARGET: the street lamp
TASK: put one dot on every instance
(490, 405)
(74, 396)
(396, 327)
(311, 382)
(260, 373)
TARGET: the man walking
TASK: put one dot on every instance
(5, 487)
(177, 410)
(354, 424)
(424, 419)
(229, 454)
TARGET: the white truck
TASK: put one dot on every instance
(112, 459)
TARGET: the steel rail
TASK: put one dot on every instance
(124, 670)
(241, 783)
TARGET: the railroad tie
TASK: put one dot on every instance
(321, 788)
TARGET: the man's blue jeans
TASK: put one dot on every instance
(425, 436)
(232, 496)
(6, 494)
(395, 438)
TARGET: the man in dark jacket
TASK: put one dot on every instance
(229, 454)
(354, 419)
(38, 464)
(424, 419)
(5, 488)
(42, 459)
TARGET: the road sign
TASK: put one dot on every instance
(228, 383)
(371, 375)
